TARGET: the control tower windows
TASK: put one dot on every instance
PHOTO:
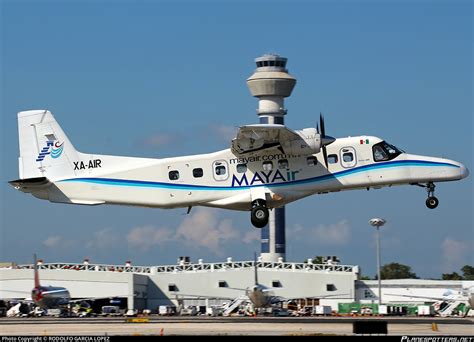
(173, 175)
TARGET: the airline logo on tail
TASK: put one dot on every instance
(55, 149)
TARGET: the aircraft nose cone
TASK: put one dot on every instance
(464, 171)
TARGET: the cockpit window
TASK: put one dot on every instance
(384, 151)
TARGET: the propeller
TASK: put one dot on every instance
(325, 139)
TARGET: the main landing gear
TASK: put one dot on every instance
(431, 202)
(259, 214)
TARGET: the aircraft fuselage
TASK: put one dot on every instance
(224, 180)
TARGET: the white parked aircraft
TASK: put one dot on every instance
(267, 166)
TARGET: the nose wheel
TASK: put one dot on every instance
(431, 202)
(259, 214)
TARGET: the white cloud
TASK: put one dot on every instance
(159, 140)
(203, 229)
(454, 254)
(54, 241)
(223, 132)
(251, 236)
(148, 236)
(103, 239)
(333, 234)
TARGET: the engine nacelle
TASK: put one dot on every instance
(308, 143)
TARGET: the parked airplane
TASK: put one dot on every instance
(45, 297)
(52, 297)
(267, 166)
(48, 297)
(262, 296)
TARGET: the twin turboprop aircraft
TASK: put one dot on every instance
(267, 166)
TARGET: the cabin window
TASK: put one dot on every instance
(276, 283)
(198, 173)
(331, 287)
(172, 288)
(173, 175)
(283, 164)
(384, 151)
(223, 283)
(379, 153)
(332, 159)
(347, 157)
(241, 168)
(220, 170)
(267, 166)
(312, 161)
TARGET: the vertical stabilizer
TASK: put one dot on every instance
(45, 150)
(255, 267)
(35, 267)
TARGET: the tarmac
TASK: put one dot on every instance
(252, 326)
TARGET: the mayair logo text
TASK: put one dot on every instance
(263, 177)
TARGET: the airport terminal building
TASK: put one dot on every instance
(212, 284)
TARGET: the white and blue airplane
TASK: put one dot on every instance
(267, 166)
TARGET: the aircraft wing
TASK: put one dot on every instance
(253, 138)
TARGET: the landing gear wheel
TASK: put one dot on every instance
(259, 216)
(432, 202)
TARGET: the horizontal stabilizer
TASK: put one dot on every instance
(30, 184)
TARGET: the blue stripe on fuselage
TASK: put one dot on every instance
(175, 186)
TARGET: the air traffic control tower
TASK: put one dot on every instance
(271, 83)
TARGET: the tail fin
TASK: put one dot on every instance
(45, 151)
(35, 267)
(255, 268)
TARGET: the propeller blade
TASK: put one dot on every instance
(325, 154)
(321, 122)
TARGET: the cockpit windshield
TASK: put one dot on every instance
(383, 151)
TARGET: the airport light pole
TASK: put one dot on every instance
(377, 223)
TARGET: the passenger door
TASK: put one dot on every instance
(220, 170)
(348, 157)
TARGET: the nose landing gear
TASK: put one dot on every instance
(259, 214)
(431, 202)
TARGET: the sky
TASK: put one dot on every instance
(167, 78)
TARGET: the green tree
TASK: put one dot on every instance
(318, 259)
(468, 272)
(395, 270)
(451, 276)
